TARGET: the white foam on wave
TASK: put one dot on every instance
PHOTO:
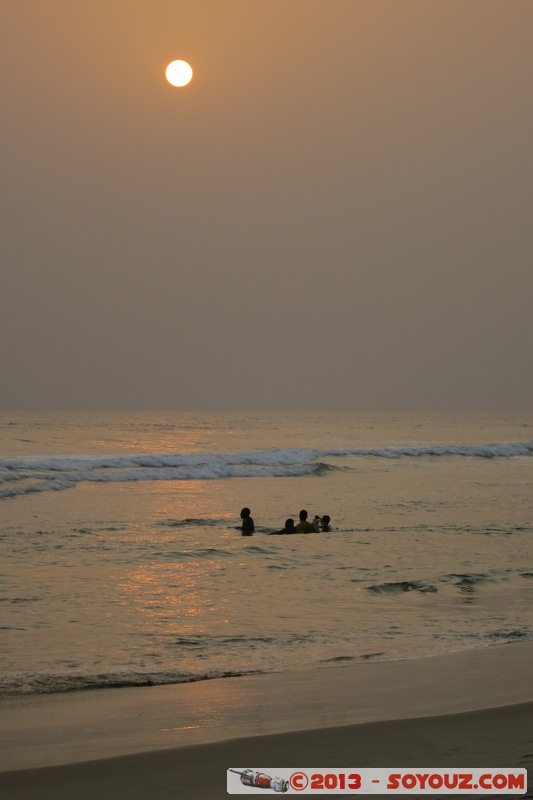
(29, 683)
(19, 476)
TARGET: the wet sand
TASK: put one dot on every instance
(472, 709)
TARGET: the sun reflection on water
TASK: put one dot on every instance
(170, 595)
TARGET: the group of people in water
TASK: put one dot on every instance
(304, 526)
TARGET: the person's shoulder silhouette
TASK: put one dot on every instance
(248, 525)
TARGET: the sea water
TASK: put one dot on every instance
(121, 564)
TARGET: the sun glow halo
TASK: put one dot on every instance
(178, 73)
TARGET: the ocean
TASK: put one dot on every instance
(121, 564)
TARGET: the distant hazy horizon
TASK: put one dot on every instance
(334, 215)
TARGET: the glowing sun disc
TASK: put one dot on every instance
(178, 73)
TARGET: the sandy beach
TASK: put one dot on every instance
(470, 709)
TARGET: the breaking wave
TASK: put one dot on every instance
(30, 683)
(20, 476)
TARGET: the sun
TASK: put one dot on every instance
(179, 73)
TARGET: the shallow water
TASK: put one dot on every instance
(121, 564)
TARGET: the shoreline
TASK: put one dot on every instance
(54, 730)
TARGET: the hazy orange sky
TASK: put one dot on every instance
(335, 214)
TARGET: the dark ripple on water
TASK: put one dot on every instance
(466, 583)
(191, 522)
(397, 587)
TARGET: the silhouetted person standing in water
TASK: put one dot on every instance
(248, 526)
(304, 526)
(289, 528)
